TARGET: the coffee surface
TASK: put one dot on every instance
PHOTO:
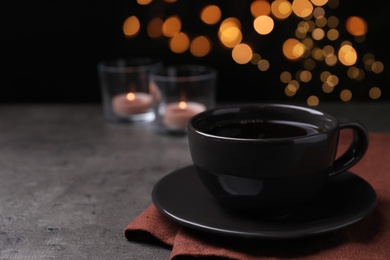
(261, 129)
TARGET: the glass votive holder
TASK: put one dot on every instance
(180, 92)
(124, 84)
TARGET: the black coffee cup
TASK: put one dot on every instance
(272, 158)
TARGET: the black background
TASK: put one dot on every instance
(51, 50)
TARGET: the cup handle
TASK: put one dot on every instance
(355, 151)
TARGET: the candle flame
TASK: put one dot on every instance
(182, 105)
(130, 96)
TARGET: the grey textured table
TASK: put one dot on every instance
(70, 181)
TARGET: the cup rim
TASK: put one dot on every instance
(191, 127)
(170, 73)
(129, 65)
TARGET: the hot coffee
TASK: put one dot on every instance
(261, 129)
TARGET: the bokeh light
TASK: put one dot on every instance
(131, 26)
(323, 54)
(260, 7)
(263, 24)
(200, 46)
(356, 26)
(242, 53)
(179, 43)
(211, 14)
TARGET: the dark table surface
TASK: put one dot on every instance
(70, 181)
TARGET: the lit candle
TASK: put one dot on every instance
(177, 114)
(131, 103)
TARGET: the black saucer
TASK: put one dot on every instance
(344, 200)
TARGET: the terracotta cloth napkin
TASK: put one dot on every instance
(366, 239)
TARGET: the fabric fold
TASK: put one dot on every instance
(152, 224)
